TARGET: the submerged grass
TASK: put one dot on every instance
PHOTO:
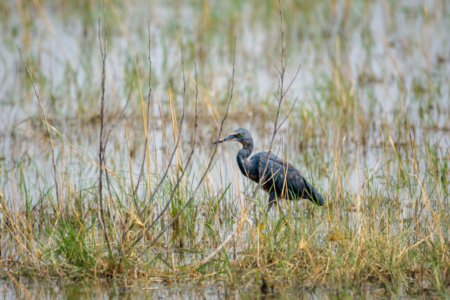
(382, 164)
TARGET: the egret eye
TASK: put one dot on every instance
(239, 134)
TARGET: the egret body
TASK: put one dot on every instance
(280, 180)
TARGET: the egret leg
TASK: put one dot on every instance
(272, 200)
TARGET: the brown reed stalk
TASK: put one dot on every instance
(109, 132)
(148, 111)
(188, 160)
(201, 179)
(141, 214)
(210, 159)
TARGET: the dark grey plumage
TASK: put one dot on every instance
(282, 180)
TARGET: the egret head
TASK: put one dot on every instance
(240, 135)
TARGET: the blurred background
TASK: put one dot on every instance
(364, 64)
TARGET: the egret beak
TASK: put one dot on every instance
(225, 139)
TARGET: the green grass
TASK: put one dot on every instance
(370, 129)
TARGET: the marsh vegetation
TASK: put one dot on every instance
(366, 106)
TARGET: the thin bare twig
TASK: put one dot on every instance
(107, 138)
(55, 168)
(190, 155)
(141, 172)
(141, 214)
(280, 101)
(289, 113)
(101, 147)
(121, 113)
(148, 111)
(188, 160)
(168, 165)
(292, 81)
(210, 159)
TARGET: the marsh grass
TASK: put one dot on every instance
(381, 164)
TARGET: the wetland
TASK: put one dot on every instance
(359, 90)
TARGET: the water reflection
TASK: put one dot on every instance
(164, 289)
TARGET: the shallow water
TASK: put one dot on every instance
(417, 55)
